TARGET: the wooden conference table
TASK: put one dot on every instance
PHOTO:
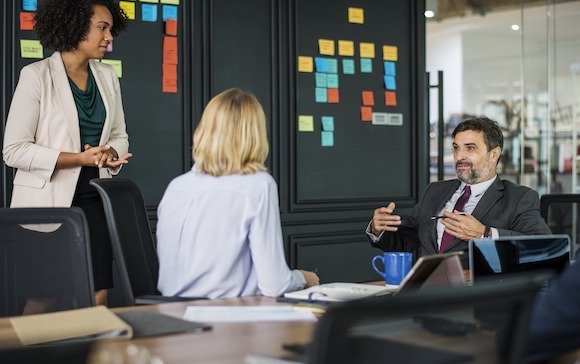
(231, 342)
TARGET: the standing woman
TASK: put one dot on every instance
(218, 229)
(66, 123)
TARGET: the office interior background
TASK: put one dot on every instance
(516, 62)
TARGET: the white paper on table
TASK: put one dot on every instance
(245, 314)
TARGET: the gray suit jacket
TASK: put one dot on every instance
(511, 209)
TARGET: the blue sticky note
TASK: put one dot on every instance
(348, 66)
(332, 80)
(328, 123)
(149, 12)
(390, 83)
(366, 65)
(321, 65)
(29, 5)
(332, 65)
(327, 138)
(320, 94)
(390, 69)
(321, 79)
(169, 12)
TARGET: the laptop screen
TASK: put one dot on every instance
(489, 257)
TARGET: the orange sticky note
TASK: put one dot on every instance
(366, 113)
(390, 98)
(332, 96)
(26, 21)
(169, 78)
(170, 50)
(368, 98)
(171, 27)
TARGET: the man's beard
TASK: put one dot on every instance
(471, 177)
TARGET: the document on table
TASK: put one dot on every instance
(246, 314)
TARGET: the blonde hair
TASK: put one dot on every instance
(231, 136)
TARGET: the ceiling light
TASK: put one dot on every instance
(515, 27)
(429, 13)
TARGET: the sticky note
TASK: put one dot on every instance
(170, 50)
(368, 98)
(366, 65)
(110, 47)
(366, 113)
(29, 5)
(171, 27)
(331, 65)
(169, 12)
(356, 15)
(390, 83)
(333, 96)
(326, 47)
(327, 138)
(149, 12)
(328, 123)
(26, 21)
(128, 9)
(321, 79)
(117, 66)
(348, 66)
(169, 81)
(305, 123)
(390, 69)
(367, 50)
(332, 80)
(150, 1)
(173, 2)
(320, 94)
(346, 48)
(390, 98)
(31, 49)
(305, 64)
(390, 53)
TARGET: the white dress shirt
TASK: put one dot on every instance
(477, 191)
(221, 237)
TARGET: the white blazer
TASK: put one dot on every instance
(43, 122)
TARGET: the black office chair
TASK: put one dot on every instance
(133, 248)
(558, 211)
(45, 261)
(443, 325)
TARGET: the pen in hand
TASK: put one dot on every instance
(442, 217)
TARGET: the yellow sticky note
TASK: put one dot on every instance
(367, 50)
(305, 123)
(346, 48)
(172, 2)
(117, 65)
(356, 15)
(305, 64)
(390, 53)
(326, 47)
(31, 49)
(128, 9)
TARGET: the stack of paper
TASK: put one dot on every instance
(246, 314)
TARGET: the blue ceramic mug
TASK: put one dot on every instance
(396, 266)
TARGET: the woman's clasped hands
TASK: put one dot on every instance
(103, 156)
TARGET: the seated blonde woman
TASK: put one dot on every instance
(219, 232)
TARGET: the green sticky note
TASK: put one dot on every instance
(172, 2)
(366, 65)
(117, 65)
(305, 123)
(348, 66)
(328, 123)
(332, 80)
(321, 79)
(327, 138)
(320, 94)
(31, 49)
(150, 1)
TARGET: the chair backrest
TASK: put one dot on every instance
(455, 324)
(130, 234)
(561, 211)
(45, 261)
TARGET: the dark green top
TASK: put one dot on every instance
(91, 111)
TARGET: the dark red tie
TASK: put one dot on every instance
(459, 206)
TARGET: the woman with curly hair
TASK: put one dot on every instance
(66, 123)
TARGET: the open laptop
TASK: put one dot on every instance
(516, 254)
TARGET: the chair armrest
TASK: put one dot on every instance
(154, 299)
